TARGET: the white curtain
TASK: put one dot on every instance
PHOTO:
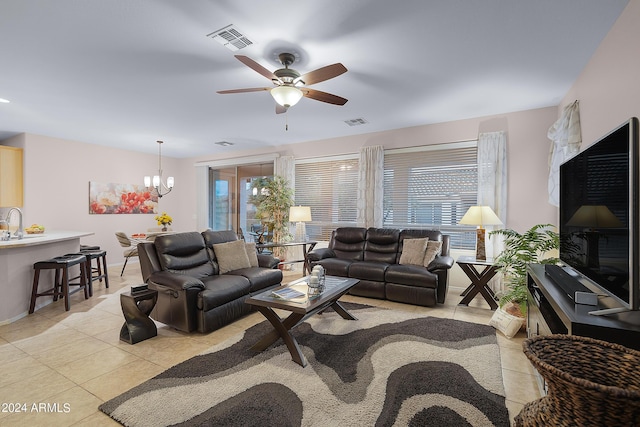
(202, 199)
(285, 167)
(492, 186)
(566, 138)
(370, 186)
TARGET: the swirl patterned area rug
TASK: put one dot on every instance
(386, 368)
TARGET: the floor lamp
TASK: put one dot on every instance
(480, 216)
(300, 215)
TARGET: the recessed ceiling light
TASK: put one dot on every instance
(4, 101)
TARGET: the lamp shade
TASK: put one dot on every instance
(287, 96)
(480, 215)
(299, 214)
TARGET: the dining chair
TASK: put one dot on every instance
(131, 246)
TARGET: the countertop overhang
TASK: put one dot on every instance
(41, 239)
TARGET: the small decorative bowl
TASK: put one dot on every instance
(34, 231)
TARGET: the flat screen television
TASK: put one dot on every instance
(599, 215)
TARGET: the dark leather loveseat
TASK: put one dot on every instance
(192, 294)
(372, 255)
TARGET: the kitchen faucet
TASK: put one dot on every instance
(20, 232)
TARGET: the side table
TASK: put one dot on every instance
(306, 268)
(479, 279)
(136, 308)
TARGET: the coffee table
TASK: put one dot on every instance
(266, 303)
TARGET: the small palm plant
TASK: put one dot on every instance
(272, 206)
(519, 251)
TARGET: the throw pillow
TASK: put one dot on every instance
(231, 256)
(434, 248)
(506, 323)
(252, 254)
(413, 251)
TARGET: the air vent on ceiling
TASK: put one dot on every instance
(231, 38)
(356, 122)
(224, 143)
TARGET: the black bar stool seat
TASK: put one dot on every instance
(98, 272)
(61, 285)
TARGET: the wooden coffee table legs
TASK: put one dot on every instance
(282, 328)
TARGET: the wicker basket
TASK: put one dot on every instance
(590, 383)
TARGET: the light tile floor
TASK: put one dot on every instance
(56, 367)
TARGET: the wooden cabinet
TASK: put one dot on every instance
(11, 189)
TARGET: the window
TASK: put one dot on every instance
(432, 187)
(330, 187)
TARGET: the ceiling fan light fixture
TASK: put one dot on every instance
(287, 96)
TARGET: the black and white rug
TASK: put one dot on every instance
(386, 368)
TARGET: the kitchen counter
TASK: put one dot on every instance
(42, 239)
(17, 257)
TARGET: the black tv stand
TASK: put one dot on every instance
(551, 311)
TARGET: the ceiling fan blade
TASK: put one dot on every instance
(322, 74)
(251, 89)
(256, 67)
(323, 96)
(280, 109)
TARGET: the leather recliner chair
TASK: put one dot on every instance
(192, 294)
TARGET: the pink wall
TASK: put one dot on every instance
(56, 186)
(609, 86)
(57, 173)
(528, 150)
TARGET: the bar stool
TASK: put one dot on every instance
(99, 271)
(60, 285)
(89, 248)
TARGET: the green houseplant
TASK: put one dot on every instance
(272, 207)
(519, 250)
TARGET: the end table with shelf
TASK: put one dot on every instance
(307, 246)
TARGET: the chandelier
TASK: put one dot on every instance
(160, 187)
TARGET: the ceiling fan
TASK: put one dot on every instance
(290, 85)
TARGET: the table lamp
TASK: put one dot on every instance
(300, 215)
(480, 216)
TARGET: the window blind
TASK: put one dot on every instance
(432, 187)
(330, 187)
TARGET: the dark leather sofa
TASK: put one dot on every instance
(372, 255)
(192, 294)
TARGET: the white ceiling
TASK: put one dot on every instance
(126, 73)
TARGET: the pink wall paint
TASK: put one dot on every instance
(57, 173)
(528, 150)
(56, 185)
(609, 86)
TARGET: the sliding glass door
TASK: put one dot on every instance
(222, 211)
(231, 189)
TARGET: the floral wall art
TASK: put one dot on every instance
(112, 198)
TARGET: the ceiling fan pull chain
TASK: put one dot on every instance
(286, 120)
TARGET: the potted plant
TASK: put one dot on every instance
(519, 250)
(272, 207)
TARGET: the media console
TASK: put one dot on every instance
(551, 311)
